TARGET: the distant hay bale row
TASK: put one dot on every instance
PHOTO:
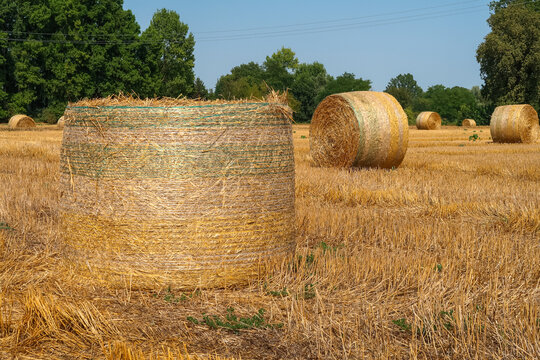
(428, 120)
(362, 129)
(21, 121)
(514, 124)
(468, 122)
(186, 193)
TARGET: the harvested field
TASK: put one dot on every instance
(438, 259)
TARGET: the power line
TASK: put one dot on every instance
(339, 20)
(349, 26)
(423, 15)
(259, 28)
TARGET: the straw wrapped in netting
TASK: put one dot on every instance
(361, 129)
(468, 122)
(428, 120)
(61, 122)
(21, 121)
(178, 192)
(515, 123)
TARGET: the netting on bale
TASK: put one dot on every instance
(514, 124)
(428, 120)
(178, 192)
(21, 121)
(468, 122)
(360, 129)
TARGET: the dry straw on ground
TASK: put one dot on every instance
(515, 123)
(174, 191)
(468, 122)
(61, 122)
(428, 120)
(362, 128)
(21, 121)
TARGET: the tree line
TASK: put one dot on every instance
(55, 51)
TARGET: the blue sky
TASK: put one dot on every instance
(435, 41)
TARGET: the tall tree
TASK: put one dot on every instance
(404, 88)
(509, 57)
(279, 69)
(502, 4)
(167, 50)
(309, 80)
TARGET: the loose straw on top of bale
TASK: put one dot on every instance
(428, 120)
(468, 122)
(515, 123)
(21, 121)
(179, 192)
(361, 128)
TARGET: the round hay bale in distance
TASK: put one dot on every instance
(428, 120)
(185, 193)
(21, 121)
(514, 124)
(361, 129)
(61, 122)
(468, 122)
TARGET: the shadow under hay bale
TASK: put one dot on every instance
(361, 129)
(184, 193)
(514, 124)
(428, 120)
(21, 121)
(468, 122)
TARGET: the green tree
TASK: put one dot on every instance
(309, 81)
(453, 104)
(404, 88)
(199, 90)
(509, 57)
(503, 4)
(344, 83)
(167, 52)
(279, 69)
(65, 50)
(244, 81)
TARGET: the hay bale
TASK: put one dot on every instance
(428, 120)
(178, 192)
(21, 121)
(61, 122)
(361, 128)
(468, 122)
(514, 123)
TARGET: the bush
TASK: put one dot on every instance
(51, 114)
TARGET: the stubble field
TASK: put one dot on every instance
(438, 259)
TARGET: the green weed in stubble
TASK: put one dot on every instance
(170, 297)
(234, 323)
(5, 226)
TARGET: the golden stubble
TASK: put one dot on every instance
(439, 259)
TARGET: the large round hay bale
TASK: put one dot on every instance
(360, 128)
(21, 121)
(177, 192)
(428, 120)
(468, 122)
(61, 122)
(514, 123)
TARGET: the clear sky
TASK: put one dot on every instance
(435, 41)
